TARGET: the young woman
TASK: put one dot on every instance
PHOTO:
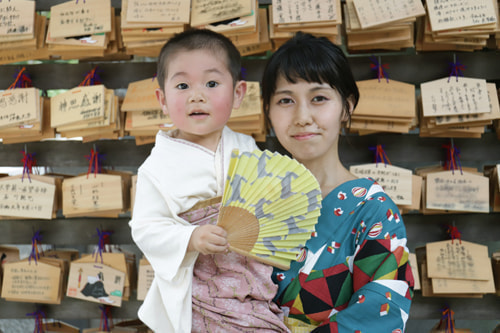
(356, 276)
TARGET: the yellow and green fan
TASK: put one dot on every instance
(270, 206)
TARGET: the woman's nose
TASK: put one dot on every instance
(303, 116)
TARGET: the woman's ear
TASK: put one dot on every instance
(346, 116)
(160, 96)
(240, 90)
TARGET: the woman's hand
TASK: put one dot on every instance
(208, 239)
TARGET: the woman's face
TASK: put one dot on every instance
(307, 119)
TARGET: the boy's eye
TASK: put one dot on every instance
(182, 86)
(212, 84)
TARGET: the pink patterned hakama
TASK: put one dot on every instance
(232, 293)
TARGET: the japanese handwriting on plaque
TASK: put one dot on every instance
(295, 11)
(208, 11)
(396, 181)
(77, 104)
(25, 198)
(452, 190)
(30, 282)
(462, 96)
(145, 278)
(457, 260)
(97, 193)
(452, 14)
(17, 18)
(475, 117)
(148, 118)
(74, 18)
(168, 11)
(377, 12)
(19, 106)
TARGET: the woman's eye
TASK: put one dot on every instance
(212, 84)
(285, 101)
(319, 99)
(182, 86)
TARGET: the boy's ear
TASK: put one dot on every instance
(240, 90)
(160, 96)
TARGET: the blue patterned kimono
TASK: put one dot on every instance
(354, 275)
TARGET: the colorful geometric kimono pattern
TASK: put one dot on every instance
(354, 275)
(232, 293)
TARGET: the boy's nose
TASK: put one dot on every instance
(197, 97)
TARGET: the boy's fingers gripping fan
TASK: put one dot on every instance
(270, 206)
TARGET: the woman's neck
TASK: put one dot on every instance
(329, 175)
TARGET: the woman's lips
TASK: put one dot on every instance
(303, 136)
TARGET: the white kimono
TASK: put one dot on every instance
(175, 176)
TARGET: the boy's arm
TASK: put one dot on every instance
(159, 235)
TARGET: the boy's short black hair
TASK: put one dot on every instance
(197, 39)
(313, 59)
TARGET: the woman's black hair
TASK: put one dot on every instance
(313, 59)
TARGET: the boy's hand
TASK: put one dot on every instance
(208, 239)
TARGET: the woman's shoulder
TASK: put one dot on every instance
(359, 188)
(362, 196)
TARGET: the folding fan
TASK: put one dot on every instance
(270, 206)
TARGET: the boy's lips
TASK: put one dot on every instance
(198, 113)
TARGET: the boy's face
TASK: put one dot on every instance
(199, 94)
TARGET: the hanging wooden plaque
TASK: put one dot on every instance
(158, 11)
(457, 191)
(79, 18)
(140, 96)
(17, 19)
(296, 11)
(95, 193)
(78, 104)
(39, 282)
(396, 181)
(373, 13)
(450, 96)
(32, 197)
(444, 15)
(19, 106)
(144, 279)
(207, 11)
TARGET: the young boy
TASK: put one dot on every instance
(199, 78)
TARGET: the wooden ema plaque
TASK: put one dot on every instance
(456, 266)
(73, 18)
(103, 282)
(78, 104)
(19, 106)
(32, 197)
(372, 13)
(144, 279)
(207, 11)
(35, 282)
(396, 181)
(457, 191)
(96, 193)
